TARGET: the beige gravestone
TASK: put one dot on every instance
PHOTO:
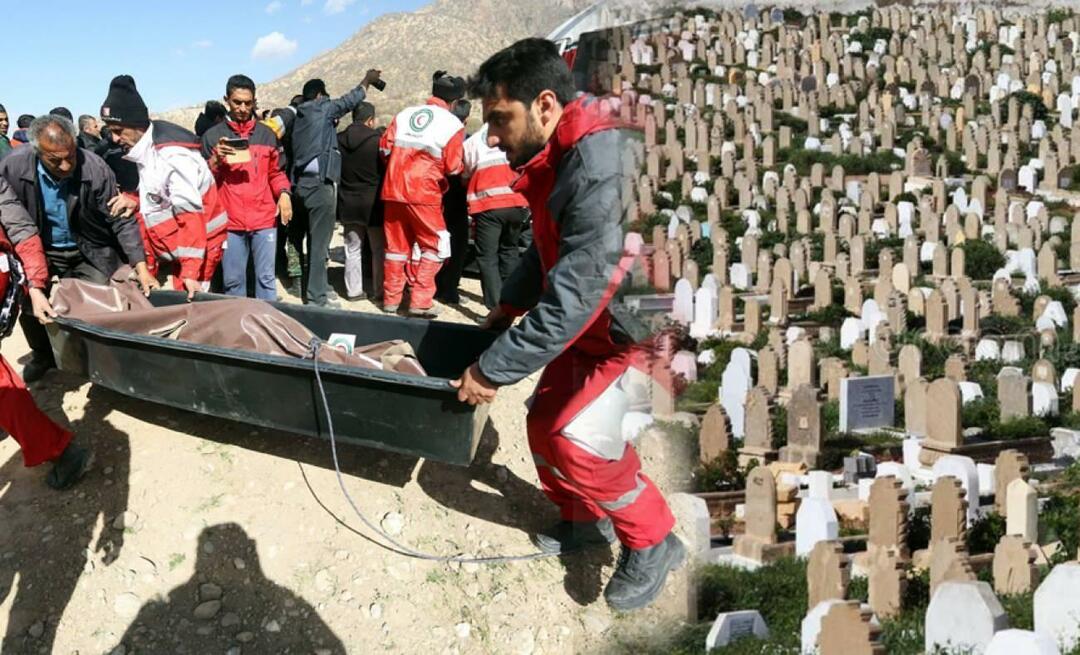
(888, 515)
(915, 406)
(1009, 465)
(887, 582)
(1014, 393)
(1022, 510)
(948, 510)
(760, 513)
(847, 629)
(758, 428)
(804, 427)
(827, 573)
(1014, 566)
(949, 562)
(943, 404)
(715, 434)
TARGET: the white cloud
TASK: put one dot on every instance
(204, 43)
(274, 7)
(337, 6)
(274, 44)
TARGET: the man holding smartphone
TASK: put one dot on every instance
(253, 188)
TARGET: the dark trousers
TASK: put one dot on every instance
(497, 235)
(449, 276)
(319, 206)
(62, 264)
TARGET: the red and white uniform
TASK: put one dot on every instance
(490, 177)
(39, 437)
(422, 147)
(183, 220)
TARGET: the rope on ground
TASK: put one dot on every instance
(313, 351)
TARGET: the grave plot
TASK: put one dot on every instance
(862, 248)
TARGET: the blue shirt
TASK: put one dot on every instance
(54, 203)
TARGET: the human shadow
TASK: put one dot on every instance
(47, 534)
(225, 604)
(515, 503)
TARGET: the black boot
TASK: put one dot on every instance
(641, 573)
(70, 467)
(566, 536)
(37, 367)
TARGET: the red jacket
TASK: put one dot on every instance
(491, 179)
(249, 192)
(421, 148)
(185, 223)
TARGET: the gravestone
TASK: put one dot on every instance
(803, 427)
(827, 573)
(943, 403)
(1014, 393)
(715, 435)
(1008, 466)
(815, 521)
(1057, 605)
(760, 513)
(949, 562)
(948, 510)
(847, 629)
(867, 402)
(758, 442)
(888, 515)
(732, 626)
(1014, 642)
(1022, 510)
(963, 617)
(887, 582)
(1014, 566)
(915, 407)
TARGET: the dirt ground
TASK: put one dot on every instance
(196, 535)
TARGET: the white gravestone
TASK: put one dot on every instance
(963, 469)
(731, 626)
(815, 521)
(962, 617)
(1057, 605)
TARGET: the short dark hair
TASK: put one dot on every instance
(461, 109)
(296, 100)
(84, 121)
(313, 89)
(524, 70)
(62, 111)
(363, 112)
(239, 82)
(2, 109)
(214, 110)
(24, 121)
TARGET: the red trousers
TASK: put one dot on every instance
(405, 225)
(40, 439)
(584, 486)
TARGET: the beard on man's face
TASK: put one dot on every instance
(531, 144)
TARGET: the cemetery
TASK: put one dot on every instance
(860, 243)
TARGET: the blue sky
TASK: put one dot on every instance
(180, 53)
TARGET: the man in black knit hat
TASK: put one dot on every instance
(183, 219)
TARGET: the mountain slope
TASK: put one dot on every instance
(452, 35)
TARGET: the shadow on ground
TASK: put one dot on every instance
(224, 605)
(42, 558)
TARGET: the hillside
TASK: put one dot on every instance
(453, 35)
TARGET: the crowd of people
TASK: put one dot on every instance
(251, 195)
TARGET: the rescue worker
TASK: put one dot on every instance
(40, 439)
(422, 147)
(498, 213)
(183, 218)
(568, 152)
